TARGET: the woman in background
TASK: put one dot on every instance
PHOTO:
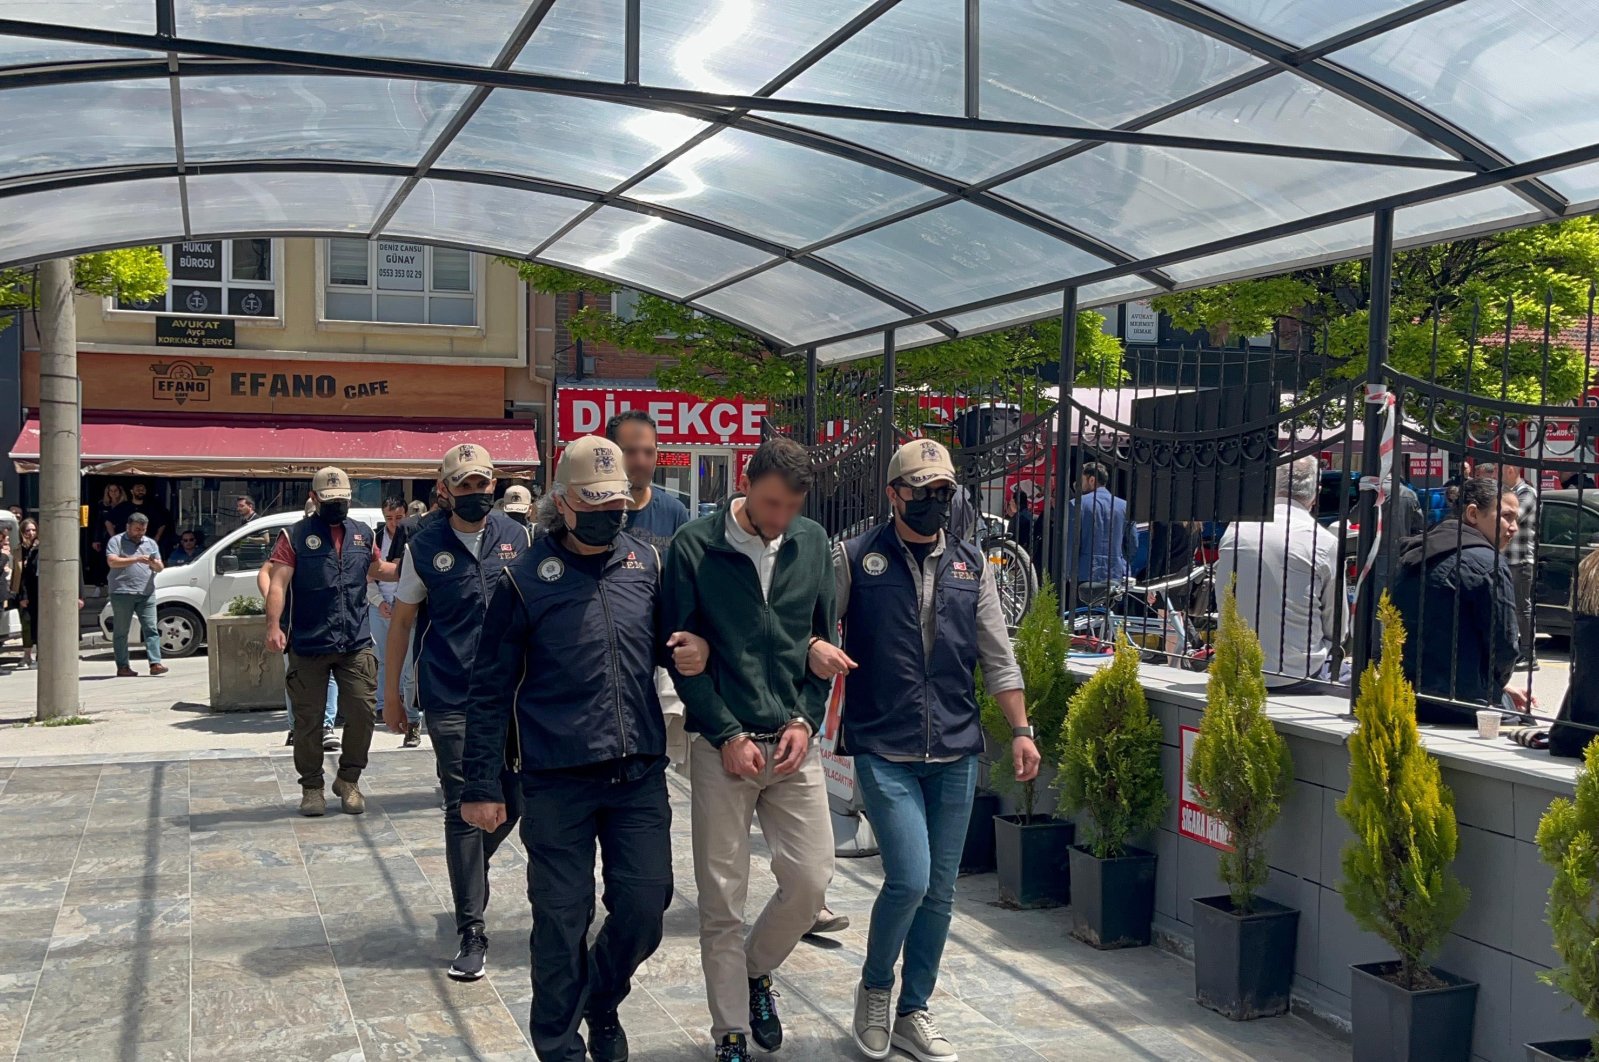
(25, 585)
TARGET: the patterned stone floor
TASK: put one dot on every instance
(181, 910)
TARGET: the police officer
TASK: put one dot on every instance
(920, 611)
(567, 659)
(325, 560)
(519, 504)
(448, 575)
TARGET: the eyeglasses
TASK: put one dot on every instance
(942, 494)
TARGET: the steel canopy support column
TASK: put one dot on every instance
(1382, 274)
(886, 437)
(59, 491)
(810, 397)
(1059, 565)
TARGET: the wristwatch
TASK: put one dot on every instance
(1022, 731)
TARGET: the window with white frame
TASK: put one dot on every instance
(399, 282)
(222, 278)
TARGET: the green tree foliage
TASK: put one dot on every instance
(1439, 287)
(1568, 840)
(1110, 763)
(1041, 644)
(709, 357)
(1397, 880)
(1240, 766)
(133, 273)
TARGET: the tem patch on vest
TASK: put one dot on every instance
(633, 562)
(874, 563)
(552, 569)
(962, 570)
(507, 549)
(313, 541)
(443, 561)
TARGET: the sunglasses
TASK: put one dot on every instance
(942, 494)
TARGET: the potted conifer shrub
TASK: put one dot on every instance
(1030, 846)
(1568, 840)
(1397, 882)
(1110, 779)
(1241, 769)
(977, 854)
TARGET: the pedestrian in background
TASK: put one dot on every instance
(380, 602)
(26, 587)
(1521, 555)
(186, 550)
(319, 572)
(518, 504)
(134, 561)
(1103, 536)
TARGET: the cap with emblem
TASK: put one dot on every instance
(920, 462)
(518, 500)
(591, 469)
(331, 484)
(467, 459)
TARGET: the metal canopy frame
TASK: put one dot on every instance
(1467, 161)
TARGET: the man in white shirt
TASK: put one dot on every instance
(1287, 579)
(380, 601)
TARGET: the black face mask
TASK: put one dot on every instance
(333, 512)
(473, 507)
(520, 518)
(925, 517)
(599, 528)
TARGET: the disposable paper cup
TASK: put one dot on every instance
(1488, 723)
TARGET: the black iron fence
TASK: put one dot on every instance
(1178, 489)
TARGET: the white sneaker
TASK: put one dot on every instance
(917, 1034)
(871, 1021)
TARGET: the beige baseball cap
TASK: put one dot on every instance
(920, 462)
(518, 500)
(467, 459)
(331, 484)
(591, 469)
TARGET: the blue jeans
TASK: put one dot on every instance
(123, 608)
(329, 714)
(919, 813)
(380, 638)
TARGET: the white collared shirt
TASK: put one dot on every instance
(762, 554)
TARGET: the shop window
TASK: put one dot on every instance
(397, 282)
(217, 278)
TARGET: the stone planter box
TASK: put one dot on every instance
(245, 675)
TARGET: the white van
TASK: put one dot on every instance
(185, 594)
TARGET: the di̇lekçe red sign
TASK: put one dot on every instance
(681, 419)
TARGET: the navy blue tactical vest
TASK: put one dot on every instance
(460, 587)
(898, 701)
(327, 600)
(588, 688)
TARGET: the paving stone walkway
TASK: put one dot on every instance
(180, 910)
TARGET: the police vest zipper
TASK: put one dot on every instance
(616, 674)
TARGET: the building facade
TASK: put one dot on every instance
(267, 359)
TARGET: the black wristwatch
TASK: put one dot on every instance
(1022, 731)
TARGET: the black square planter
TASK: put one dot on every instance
(1113, 900)
(1031, 857)
(1560, 1051)
(1244, 963)
(977, 856)
(1393, 1024)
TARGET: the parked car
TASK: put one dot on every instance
(1568, 528)
(185, 594)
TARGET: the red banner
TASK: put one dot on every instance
(681, 419)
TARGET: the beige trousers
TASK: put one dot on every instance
(792, 810)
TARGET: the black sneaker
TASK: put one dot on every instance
(765, 1028)
(733, 1048)
(413, 737)
(607, 1040)
(330, 741)
(470, 964)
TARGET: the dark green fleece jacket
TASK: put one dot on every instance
(758, 679)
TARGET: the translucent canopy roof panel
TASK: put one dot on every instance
(814, 170)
